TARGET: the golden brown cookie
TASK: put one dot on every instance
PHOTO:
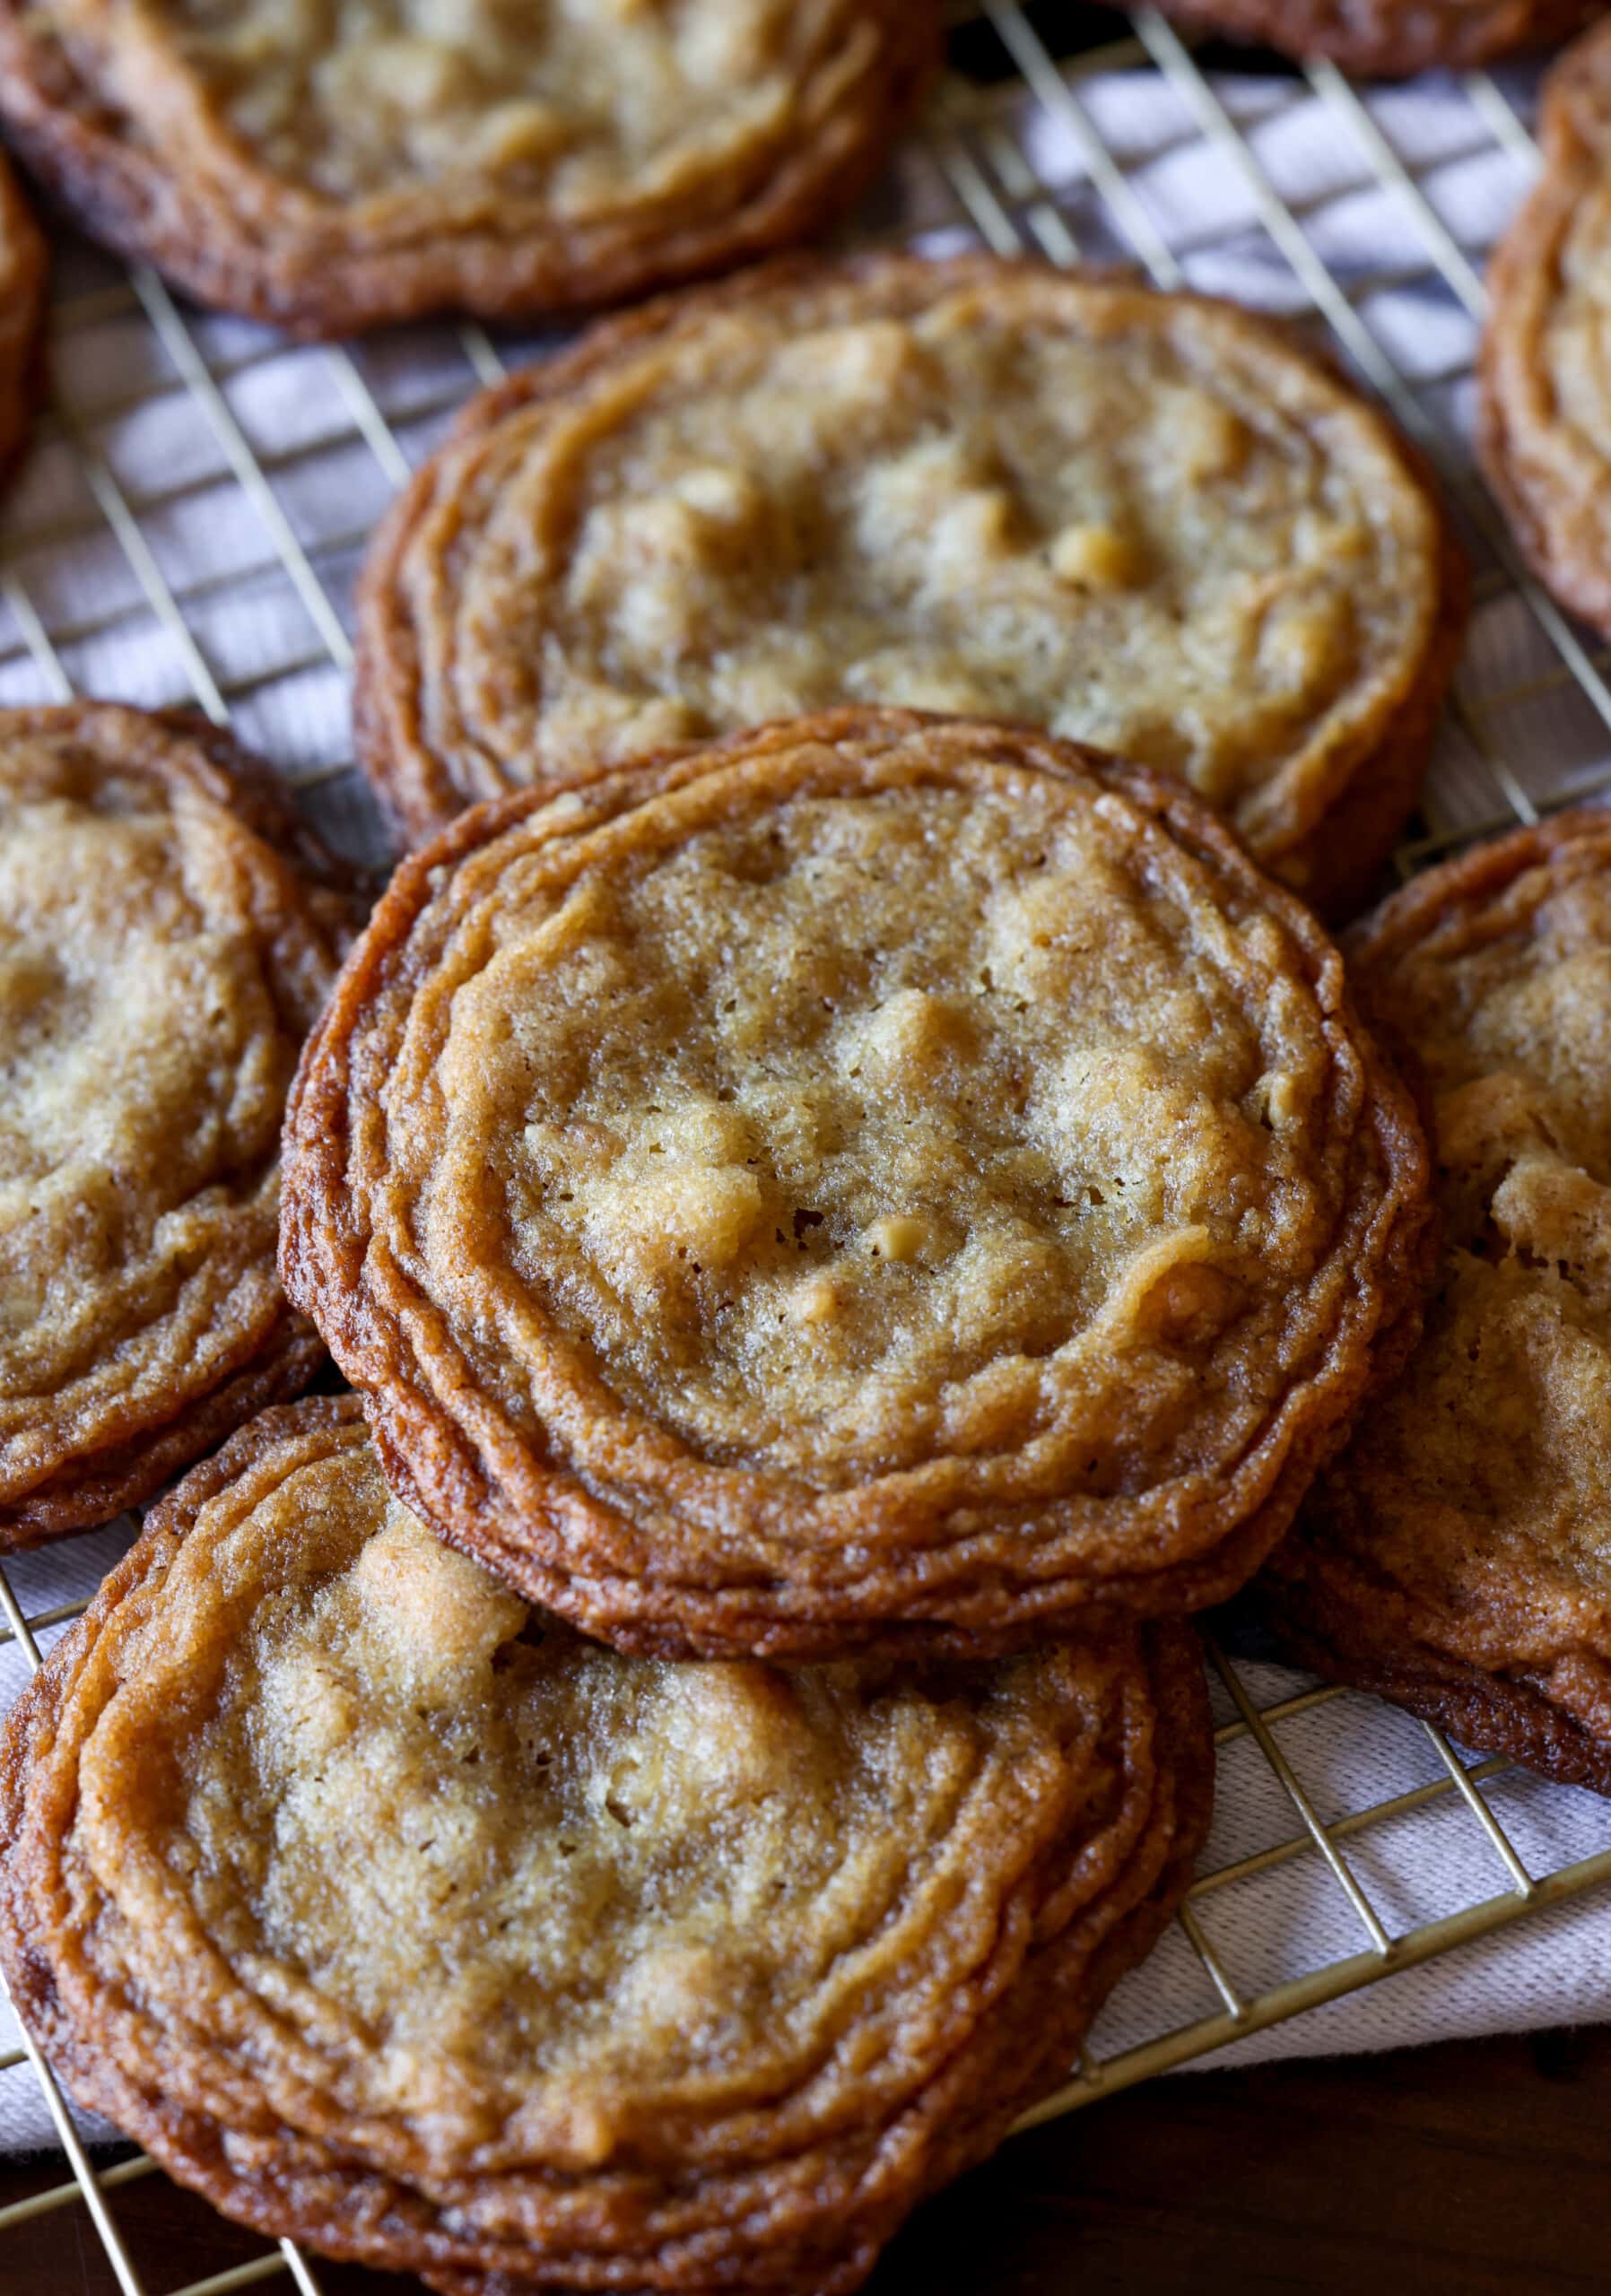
(395, 1917)
(1146, 521)
(1458, 1557)
(1390, 38)
(23, 280)
(879, 1180)
(330, 168)
(160, 962)
(1545, 429)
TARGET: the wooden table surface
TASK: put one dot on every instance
(1463, 2170)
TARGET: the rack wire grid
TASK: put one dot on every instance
(158, 546)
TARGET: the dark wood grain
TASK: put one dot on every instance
(1464, 2171)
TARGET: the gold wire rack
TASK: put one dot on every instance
(134, 480)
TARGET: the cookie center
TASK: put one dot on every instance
(588, 105)
(860, 1129)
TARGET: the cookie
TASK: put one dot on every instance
(1391, 39)
(331, 168)
(396, 1918)
(879, 1181)
(1146, 521)
(1458, 1559)
(22, 279)
(160, 962)
(1544, 422)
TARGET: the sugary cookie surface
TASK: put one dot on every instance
(158, 966)
(1144, 522)
(452, 1905)
(874, 1121)
(1474, 1496)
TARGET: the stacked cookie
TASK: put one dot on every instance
(878, 1182)
(851, 1188)
(447, 1940)
(1456, 1557)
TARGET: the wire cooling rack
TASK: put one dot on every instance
(188, 528)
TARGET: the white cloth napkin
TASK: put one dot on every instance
(142, 450)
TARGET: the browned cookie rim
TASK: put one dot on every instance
(1332, 854)
(1391, 39)
(1091, 1910)
(1563, 531)
(24, 268)
(317, 282)
(277, 1357)
(550, 1535)
(1336, 1610)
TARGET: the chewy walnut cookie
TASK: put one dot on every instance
(1458, 1557)
(879, 1179)
(1546, 411)
(1390, 38)
(1146, 521)
(395, 1917)
(160, 962)
(332, 167)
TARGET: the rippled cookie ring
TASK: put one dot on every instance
(393, 1915)
(332, 167)
(1150, 522)
(1392, 39)
(167, 936)
(1458, 1557)
(879, 1180)
(1546, 411)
